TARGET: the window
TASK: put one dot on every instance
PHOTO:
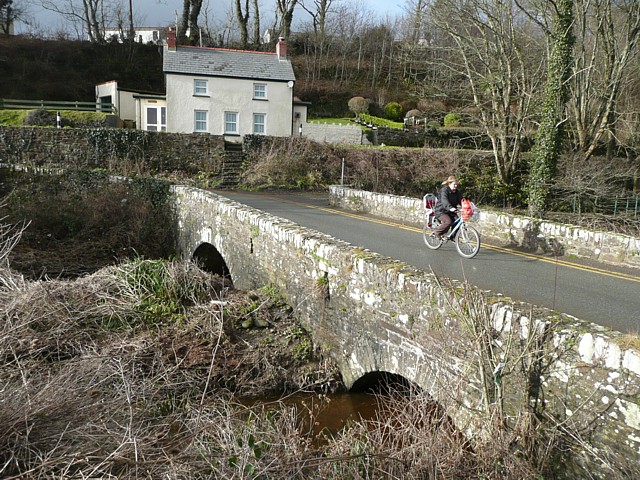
(152, 119)
(106, 103)
(260, 91)
(200, 87)
(231, 122)
(153, 115)
(201, 120)
(259, 121)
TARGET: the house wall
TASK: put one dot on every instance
(227, 95)
(123, 100)
(126, 105)
(107, 89)
(299, 118)
(142, 35)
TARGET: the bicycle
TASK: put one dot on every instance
(466, 237)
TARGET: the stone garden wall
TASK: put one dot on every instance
(132, 151)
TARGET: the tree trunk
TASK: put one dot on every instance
(550, 132)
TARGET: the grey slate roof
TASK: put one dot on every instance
(219, 62)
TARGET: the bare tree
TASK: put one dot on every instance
(416, 14)
(317, 42)
(243, 21)
(285, 9)
(607, 34)
(92, 15)
(189, 22)
(493, 49)
(318, 12)
(8, 14)
(556, 19)
(256, 23)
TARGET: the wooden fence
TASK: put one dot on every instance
(10, 104)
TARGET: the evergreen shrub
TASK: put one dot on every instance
(452, 120)
(393, 111)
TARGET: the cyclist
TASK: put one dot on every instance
(449, 197)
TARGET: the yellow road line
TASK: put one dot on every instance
(554, 261)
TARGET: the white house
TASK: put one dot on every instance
(229, 92)
(141, 34)
(144, 110)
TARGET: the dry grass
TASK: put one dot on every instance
(123, 373)
(93, 385)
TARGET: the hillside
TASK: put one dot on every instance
(33, 69)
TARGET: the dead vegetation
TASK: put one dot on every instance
(123, 372)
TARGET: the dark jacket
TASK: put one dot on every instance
(447, 200)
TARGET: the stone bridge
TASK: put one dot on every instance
(475, 353)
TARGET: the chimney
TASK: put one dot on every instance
(171, 39)
(281, 49)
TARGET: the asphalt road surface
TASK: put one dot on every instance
(589, 291)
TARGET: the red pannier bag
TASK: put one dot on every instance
(467, 209)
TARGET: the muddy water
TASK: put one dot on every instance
(322, 413)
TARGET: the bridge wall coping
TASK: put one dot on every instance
(371, 313)
(517, 230)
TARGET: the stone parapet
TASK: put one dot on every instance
(526, 232)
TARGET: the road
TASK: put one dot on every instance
(593, 292)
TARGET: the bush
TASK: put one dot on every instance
(381, 122)
(428, 106)
(80, 221)
(452, 120)
(359, 105)
(44, 118)
(393, 111)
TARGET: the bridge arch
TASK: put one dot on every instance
(385, 382)
(211, 260)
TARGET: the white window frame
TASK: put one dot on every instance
(259, 91)
(199, 123)
(262, 124)
(228, 122)
(200, 87)
(161, 116)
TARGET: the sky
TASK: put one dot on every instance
(153, 13)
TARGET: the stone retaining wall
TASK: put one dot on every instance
(136, 151)
(374, 314)
(526, 232)
(335, 134)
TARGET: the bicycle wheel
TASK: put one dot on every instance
(428, 235)
(467, 241)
